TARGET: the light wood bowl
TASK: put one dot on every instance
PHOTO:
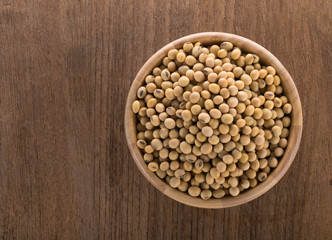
(209, 38)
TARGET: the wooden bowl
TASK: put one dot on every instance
(209, 38)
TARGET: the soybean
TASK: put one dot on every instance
(212, 121)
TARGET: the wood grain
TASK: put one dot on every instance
(65, 70)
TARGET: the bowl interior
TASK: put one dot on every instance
(290, 90)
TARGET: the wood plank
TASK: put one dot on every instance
(66, 68)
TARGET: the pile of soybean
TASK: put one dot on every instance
(212, 121)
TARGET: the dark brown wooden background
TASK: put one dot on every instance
(65, 70)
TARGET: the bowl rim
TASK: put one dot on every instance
(209, 38)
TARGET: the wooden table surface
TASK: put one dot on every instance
(65, 70)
